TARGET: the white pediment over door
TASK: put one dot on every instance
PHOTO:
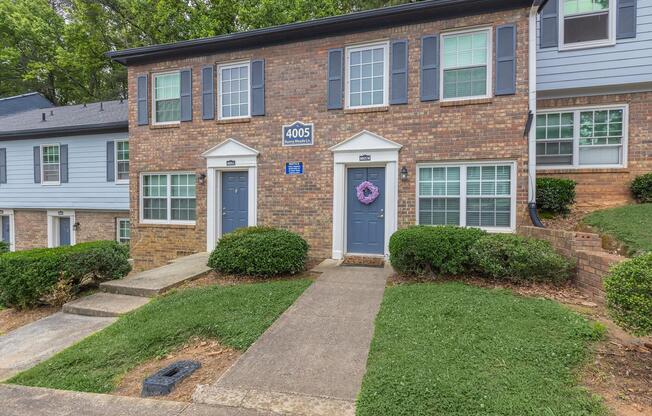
(230, 148)
(365, 141)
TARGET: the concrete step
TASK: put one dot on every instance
(156, 281)
(104, 305)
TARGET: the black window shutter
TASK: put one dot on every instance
(258, 88)
(549, 36)
(110, 161)
(506, 59)
(430, 68)
(626, 19)
(142, 94)
(186, 95)
(37, 164)
(335, 78)
(63, 163)
(399, 71)
(3, 165)
(207, 93)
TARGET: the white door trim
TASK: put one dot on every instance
(230, 155)
(12, 228)
(53, 226)
(362, 150)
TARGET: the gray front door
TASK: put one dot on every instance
(235, 201)
(5, 229)
(64, 231)
(365, 224)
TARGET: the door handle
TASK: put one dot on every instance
(381, 214)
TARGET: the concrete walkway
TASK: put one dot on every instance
(27, 346)
(34, 401)
(312, 359)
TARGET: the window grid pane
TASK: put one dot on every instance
(367, 77)
(51, 160)
(465, 64)
(183, 197)
(439, 211)
(167, 92)
(584, 6)
(122, 160)
(234, 95)
(483, 185)
(124, 231)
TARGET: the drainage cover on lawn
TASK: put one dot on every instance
(164, 381)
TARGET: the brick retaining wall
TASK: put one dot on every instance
(593, 263)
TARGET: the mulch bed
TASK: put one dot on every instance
(365, 261)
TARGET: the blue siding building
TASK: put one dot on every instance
(64, 175)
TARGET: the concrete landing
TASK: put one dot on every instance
(27, 346)
(104, 305)
(312, 359)
(156, 281)
(35, 401)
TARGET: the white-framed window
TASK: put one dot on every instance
(234, 90)
(168, 198)
(467, 194)
(466, 64)
(50, 164)
(166, 97)
(587, 23)
(367, 75)
(584, 137)
(7, 233)
(122, 161)
(123, 230)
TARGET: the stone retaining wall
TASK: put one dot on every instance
(593, 263)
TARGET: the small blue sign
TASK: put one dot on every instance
(294, 168)
(298, 134)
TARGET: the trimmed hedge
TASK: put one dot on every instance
(29, 278)
(641, 188)
(441, 250)
(518, 259)
(555, 195)
(628, 290)
(259, 251)
(4, 247)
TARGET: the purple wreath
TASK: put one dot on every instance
(370, 196)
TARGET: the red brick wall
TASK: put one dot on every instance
(296, 76)
(95, 225)
(600, 188)
(31, 229)
(593, 263)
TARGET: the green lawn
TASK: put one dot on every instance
(234, 315)
(453, 349)
(630, 225)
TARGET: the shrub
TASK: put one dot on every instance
(441, 250)
(4, 247)
(518, 259)
(28, 278)
(259, 251)
(641, 188)
(628, 290)
(555, 195)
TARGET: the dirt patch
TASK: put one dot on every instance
(215, 359)
(367, 261)
(213, 278)
(11, 319)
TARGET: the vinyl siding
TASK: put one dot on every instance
(627, 62)
(87, 187)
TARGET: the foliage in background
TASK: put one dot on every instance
(628, 290)
(519, 259)
(629, 225)
(555, 195)
(425, 250)
(641, 188)
(259, 251)
(53, 275)
(57, 47)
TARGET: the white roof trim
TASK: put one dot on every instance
(363, 141)
(230, 148)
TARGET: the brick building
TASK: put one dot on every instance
(427, 101)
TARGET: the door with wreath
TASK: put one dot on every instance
(365, 211)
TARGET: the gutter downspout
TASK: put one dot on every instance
(532, 101)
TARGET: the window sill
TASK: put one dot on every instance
(581, 170)
(581, 46)
(166, 225)
(122, 182)
(164, 126)
(458, 103)
(382, 109)
(234, 120)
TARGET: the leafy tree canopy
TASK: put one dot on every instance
(56, 47)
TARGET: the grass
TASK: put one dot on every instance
(234, 315)
(630, 225)
(453, 349)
